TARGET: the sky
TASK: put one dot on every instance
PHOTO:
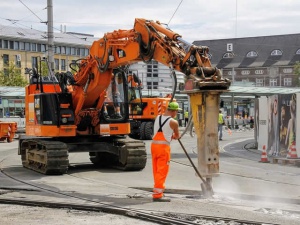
(192, 19)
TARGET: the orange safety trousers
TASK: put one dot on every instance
(161, 155)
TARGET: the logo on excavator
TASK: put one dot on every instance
(121, 53)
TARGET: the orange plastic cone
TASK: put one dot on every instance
(264, 157)
(292, 151)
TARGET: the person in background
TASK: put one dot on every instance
(186, 118)
(220, 124)
(165, 130)
(251, 122)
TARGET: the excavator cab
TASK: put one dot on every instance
(134, 95)
(115, 106)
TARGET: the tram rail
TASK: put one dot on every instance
(97, 206)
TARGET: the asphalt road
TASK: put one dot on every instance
(244, 187)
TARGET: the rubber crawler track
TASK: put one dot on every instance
(134, 155)
(46, 157)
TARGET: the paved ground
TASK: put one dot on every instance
(239, 177)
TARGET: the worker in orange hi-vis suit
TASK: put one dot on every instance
(165, 129)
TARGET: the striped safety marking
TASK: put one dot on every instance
(159, 108)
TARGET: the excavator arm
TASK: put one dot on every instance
(146, 41)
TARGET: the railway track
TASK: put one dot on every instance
(158, 217)
(87, 202)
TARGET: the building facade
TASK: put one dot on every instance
(266, 61)
(25, 47)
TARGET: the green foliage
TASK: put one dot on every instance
(12, 76)
(44, 68)
(297, 73)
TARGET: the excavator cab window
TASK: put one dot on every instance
(134, 95)
(114, 105)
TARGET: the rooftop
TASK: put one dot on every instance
(263, 51)
(72, 38)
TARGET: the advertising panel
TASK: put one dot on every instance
(263, 123)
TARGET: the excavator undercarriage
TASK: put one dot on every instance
(51, 157)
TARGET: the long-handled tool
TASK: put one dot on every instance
(206, 187)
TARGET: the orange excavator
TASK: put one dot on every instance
(67, 115)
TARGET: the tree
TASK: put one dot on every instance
(11, 76)
(44, 69)
(297, 73)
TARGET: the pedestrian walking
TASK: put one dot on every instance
(186, 118)
(165, 129)
(220, 124)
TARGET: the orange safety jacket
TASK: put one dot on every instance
(160, 150)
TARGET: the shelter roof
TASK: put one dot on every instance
(259, 91)
(6, 91)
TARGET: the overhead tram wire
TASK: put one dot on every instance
(33, 12)
(16, 22)
(175, 12)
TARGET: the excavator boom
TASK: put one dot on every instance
(147, 40)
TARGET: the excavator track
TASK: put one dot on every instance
(125, 154)
(133, 155)
(46, 157)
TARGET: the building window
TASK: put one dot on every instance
(16, 45)
(34, 62)
(56, 63)
(5, 44)
(86, 52)
(0, 43)
(39, 49)
(68, 50)
(18, 61)
(63, 64)
(82, 52)
(33, 47)
(298, 52)
(57, 50)
(63, 50)
(276, 52)
(228, 55)
(273, 82)
(11, 44)
(73, 51)
(27, 46)
(22, 45)
(5, 59)
(287, 82)
(259, 82)
(252, 54)
(43, 48)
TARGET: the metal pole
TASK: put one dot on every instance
(233, 75)
(50, 35)
(232, 112)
